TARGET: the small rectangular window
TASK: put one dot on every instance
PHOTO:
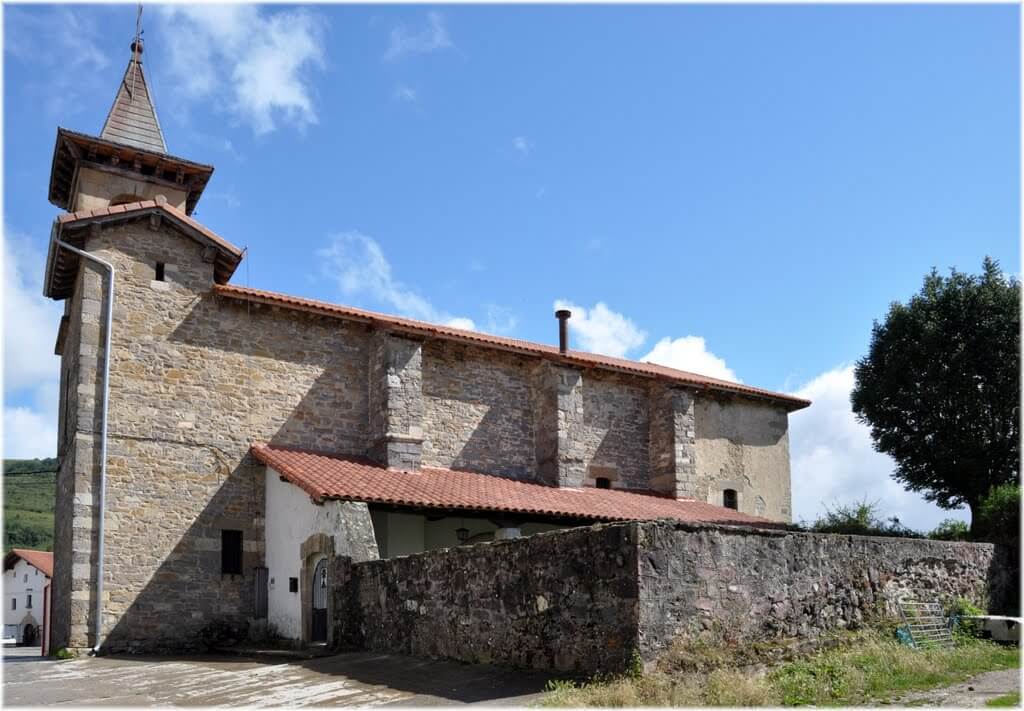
(24, 578)
(603, 482)
(729, 499)
(14, 603)
(159, 271)
(230, 552)
(28, 601)
(293, 585)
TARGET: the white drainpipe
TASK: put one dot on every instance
(108, 324)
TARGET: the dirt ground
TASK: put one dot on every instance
(356, 679)
(972, 693)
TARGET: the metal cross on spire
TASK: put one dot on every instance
(136, 50)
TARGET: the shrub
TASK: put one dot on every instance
(999, 515)
(860, 519)
(960, 608)
(63, 653)
(951, 529)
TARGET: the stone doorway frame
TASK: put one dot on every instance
(312, 549)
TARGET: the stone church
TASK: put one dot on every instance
(217, 442)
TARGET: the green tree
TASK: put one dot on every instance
(939, 386)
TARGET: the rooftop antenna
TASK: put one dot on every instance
(136, 50)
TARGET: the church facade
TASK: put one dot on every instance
(218, 442)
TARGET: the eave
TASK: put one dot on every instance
(73, 150)
(73, 228)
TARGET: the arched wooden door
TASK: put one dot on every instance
(318, 631)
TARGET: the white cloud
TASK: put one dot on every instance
(31, 370)
(30, 320)
(500, 320)
(404, 94)
(690, 353)
(601, 330)
(256, 62)
(834, 462)
(522, 145)
(434, 37)
(61, 46)
(358, 265)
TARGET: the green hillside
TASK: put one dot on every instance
(29, 491)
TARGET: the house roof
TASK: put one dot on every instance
(43, 560)
(62, 265)
(332, 476)
(579, 358)
(132, 119)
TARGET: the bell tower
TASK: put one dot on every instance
(128, 162)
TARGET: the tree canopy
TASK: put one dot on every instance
(939, 386)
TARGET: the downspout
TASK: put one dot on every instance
(107, 326)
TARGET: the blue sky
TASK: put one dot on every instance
(737, 190)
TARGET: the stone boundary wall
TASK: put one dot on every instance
(590, 599)
(564, 600)
(751, 584)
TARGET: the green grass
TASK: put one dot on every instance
(1011, 699)
(867, 668)
(28, 503)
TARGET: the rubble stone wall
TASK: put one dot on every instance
(593, 599)
(759, 584)
(564, 600)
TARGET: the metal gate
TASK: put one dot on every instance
(318, 633)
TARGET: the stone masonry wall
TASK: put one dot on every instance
(194, 379)
(564, 600)
(477, 410)
(585, 599)
(615, 430)
(758, 584)
(743, 445)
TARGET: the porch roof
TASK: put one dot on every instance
(333, 476)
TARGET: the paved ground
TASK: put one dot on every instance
(972, 693)
(356, 679)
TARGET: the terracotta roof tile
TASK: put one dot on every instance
(70, 218)
(581, 358)
(327, 476)
(43, 560)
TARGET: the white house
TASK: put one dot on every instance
(26, 575)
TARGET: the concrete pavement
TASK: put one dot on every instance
(352, 679)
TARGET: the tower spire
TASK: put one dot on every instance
(132, 119)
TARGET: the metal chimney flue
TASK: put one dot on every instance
(563, 330)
